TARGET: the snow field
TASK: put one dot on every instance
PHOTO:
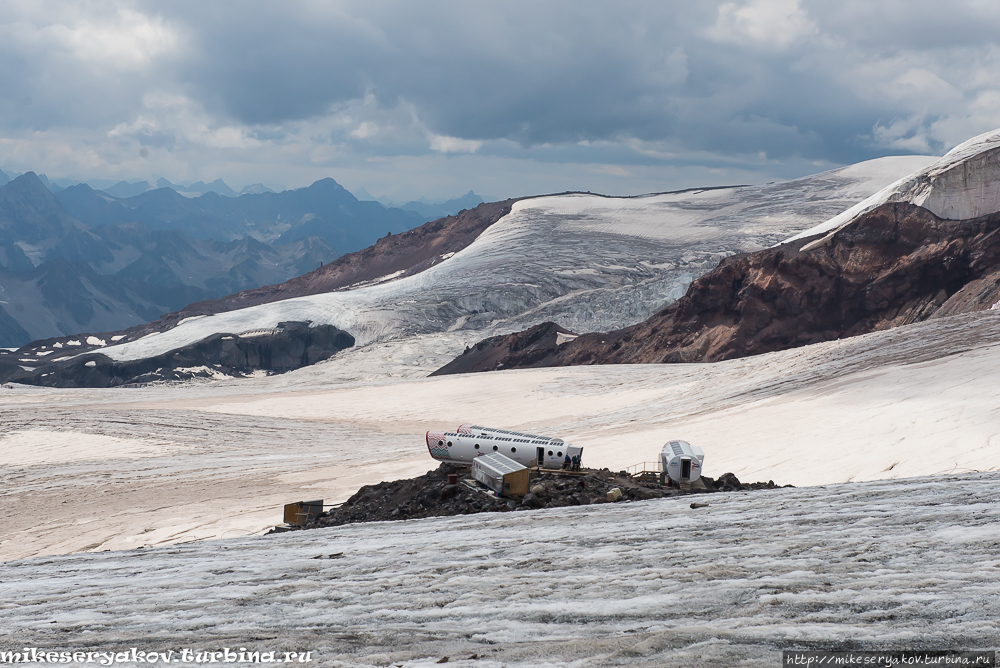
(648, 583)
(882, 406)
(917, 400)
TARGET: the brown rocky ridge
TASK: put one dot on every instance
(407, 253)
(897, 264)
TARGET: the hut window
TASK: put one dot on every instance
(559, 453)
(449, 444)
(442, 443)
(550, 453)
(495, 448)
(513, 449)
(477, 446)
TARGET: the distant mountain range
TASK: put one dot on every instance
(432, 210)
(80, 259)
(324, 209)
(428, 209)
(124, 189)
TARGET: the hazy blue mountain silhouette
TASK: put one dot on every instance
(125, 189)
(61, 276)
(29, 213)
(431, 211)
(324, 209)
(200, 188)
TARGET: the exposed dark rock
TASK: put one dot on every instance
(289, 346)
(727, 481)
(430, 495)
(11, 331)
(532, 347)
(896, 265)
(532, 501)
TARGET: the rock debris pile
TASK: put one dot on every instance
(430, 495)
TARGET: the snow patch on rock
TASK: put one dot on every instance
(963, 184)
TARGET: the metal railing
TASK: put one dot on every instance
(645, 467)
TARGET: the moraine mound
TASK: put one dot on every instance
(430, 495)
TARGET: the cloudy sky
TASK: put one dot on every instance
(410, 99)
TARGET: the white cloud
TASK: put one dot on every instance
(129, 40)
(444, 144)
(171, 118)
(365, 130)
(903, 134)
(613, 170)
(767, 23)
(119, 38)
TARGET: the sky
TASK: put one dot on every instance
(432, 99)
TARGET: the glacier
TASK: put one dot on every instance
(589, 262)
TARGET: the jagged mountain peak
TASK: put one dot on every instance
(29, 183)
(30, 213)
(328, 184)
(255, 189)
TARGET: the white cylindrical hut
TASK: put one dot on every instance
(682, 461)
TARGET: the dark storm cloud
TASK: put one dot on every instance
(565, 72)
(745, 83)
(533, 71)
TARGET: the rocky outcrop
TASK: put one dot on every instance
(289, 346)
(431, 495)
(533, 347)
(896, 265)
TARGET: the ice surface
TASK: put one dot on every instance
(589, 262)
(907, 564)
(35, 447)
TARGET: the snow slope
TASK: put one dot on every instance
(908, 564)
(963, 184)
(589, 262)
(220, 458)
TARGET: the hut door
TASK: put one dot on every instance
(685, 469)
(539, 457)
